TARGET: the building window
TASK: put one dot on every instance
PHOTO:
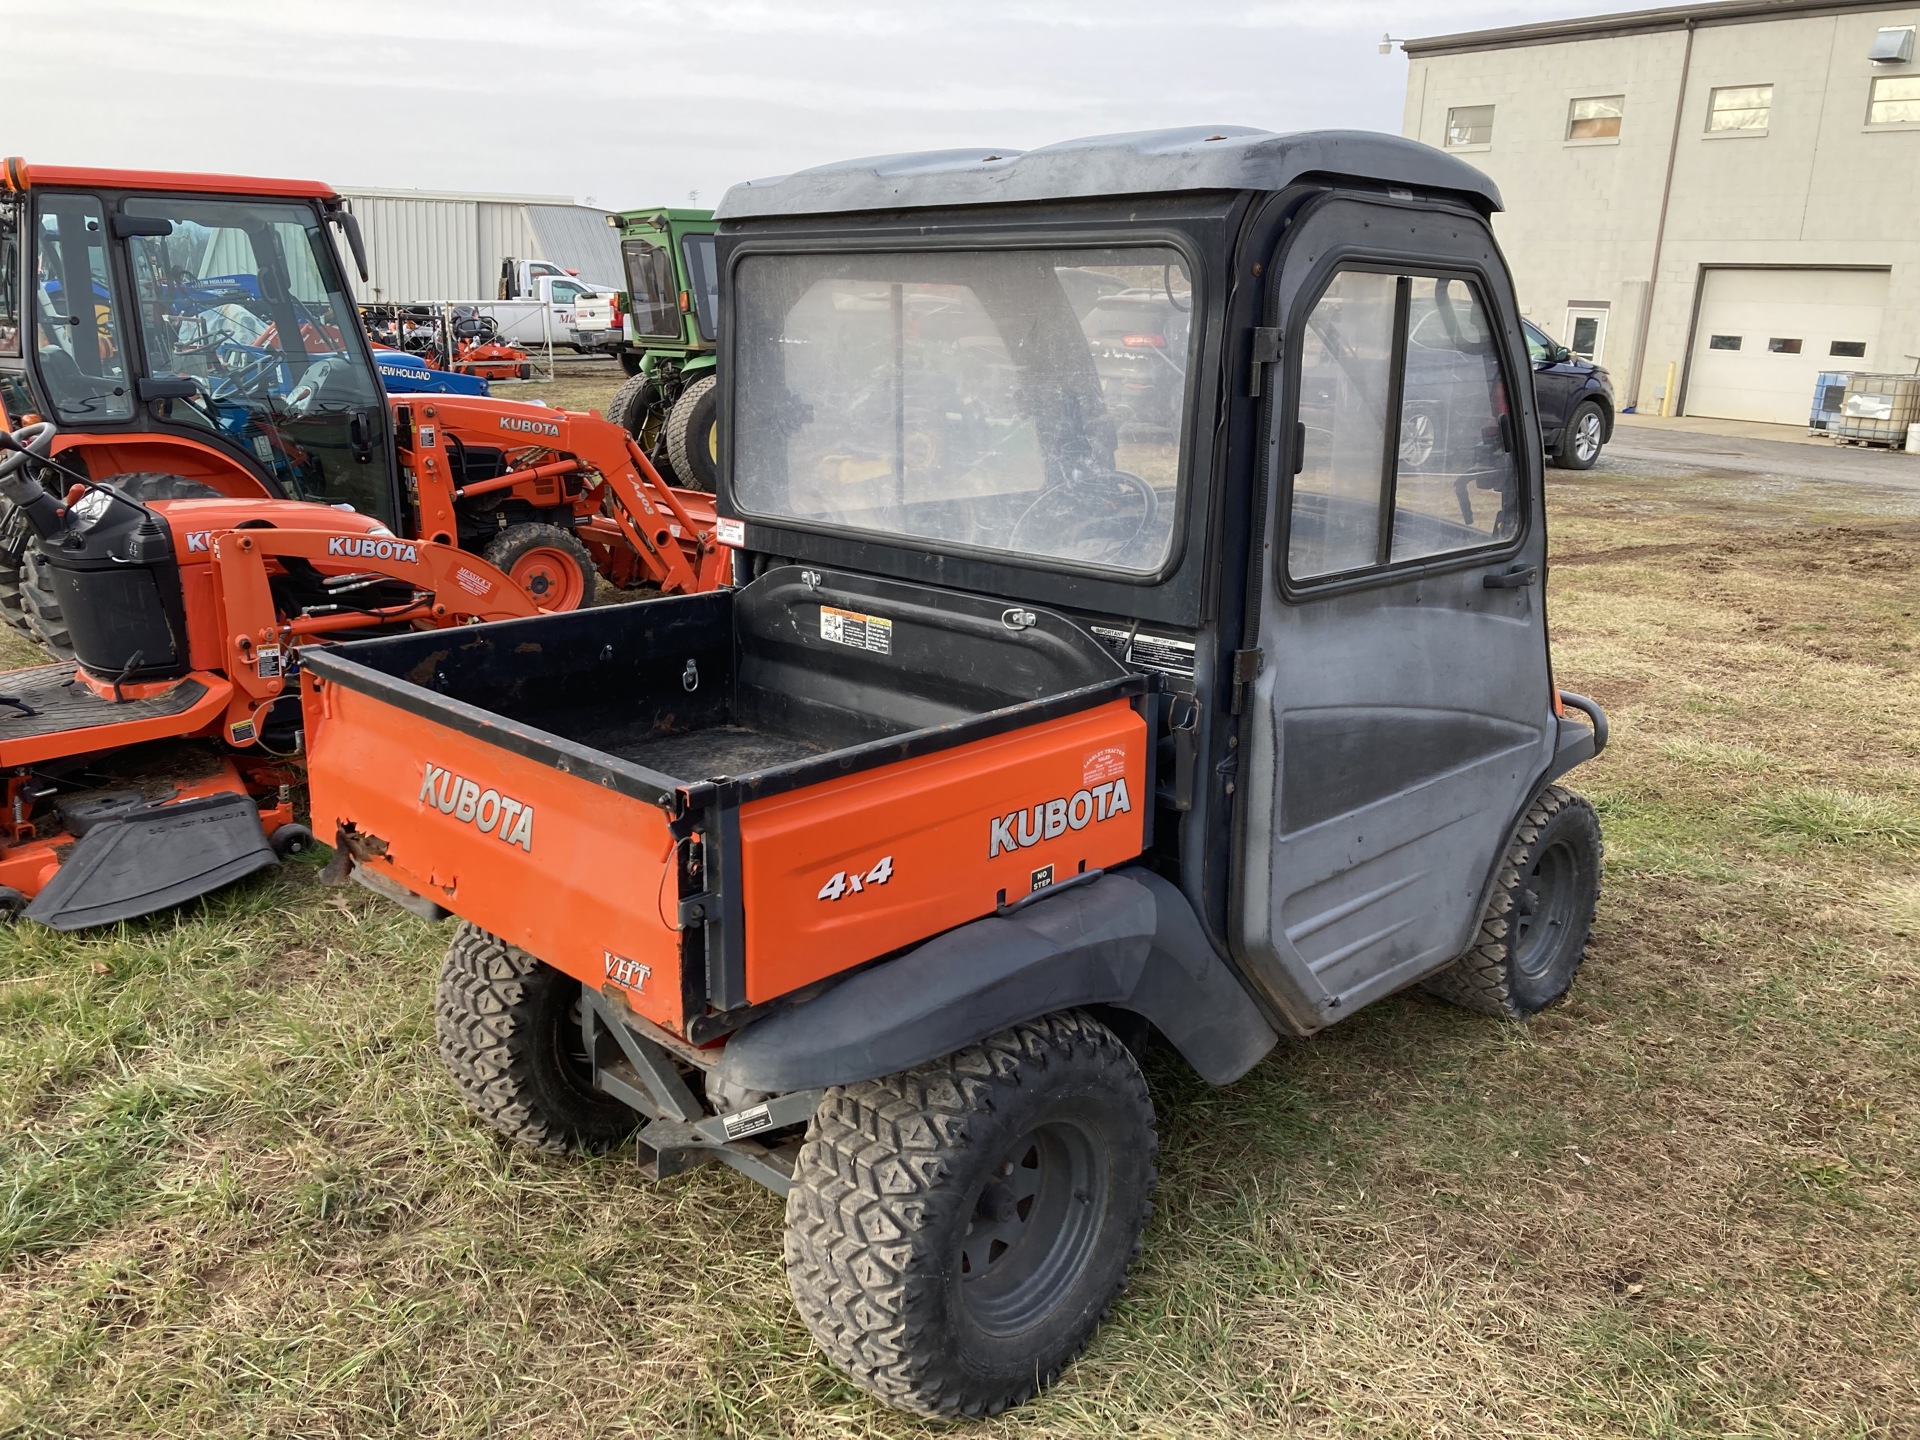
(1777, 346)
(1740, 107)
(1848, 349)
(1469, 125)
(1597, 118)
(1896, 101)
(1724, 342)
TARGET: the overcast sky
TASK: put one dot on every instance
(634, 102)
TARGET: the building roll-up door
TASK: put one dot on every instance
(1764, 336)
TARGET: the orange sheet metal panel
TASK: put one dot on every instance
(565, 869)
(847, 870)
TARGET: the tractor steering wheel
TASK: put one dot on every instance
(1096, 516)
(24, 446)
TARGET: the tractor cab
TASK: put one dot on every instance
(194, 325)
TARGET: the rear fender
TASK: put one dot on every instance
(1128, 940)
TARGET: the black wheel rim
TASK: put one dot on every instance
(1033, 1227)
(1543, 910)
(571, 1063)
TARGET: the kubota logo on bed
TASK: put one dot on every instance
(530, 427)
(488, 811)
(1053, 818)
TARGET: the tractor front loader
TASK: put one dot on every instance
(160, 763)
(193, 335)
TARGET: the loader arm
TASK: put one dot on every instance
(671, 531)
(450, 587)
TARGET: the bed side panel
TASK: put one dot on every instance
(580, 882)
(845, 871)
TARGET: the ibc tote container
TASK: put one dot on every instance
(1878, 409)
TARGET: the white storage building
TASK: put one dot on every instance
(427, 246)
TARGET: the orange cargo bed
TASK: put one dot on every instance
(707, 802)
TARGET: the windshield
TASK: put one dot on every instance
(653, 302)
(9, 277)
(242, 301)
(704, 280)
(1031, 402)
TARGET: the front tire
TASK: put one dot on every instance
(692, 435)
(1533, 936)
(549, 564)
(1583, 438)
(957, 1232)
(509, 1029)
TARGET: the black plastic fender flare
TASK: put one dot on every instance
(1129, 940)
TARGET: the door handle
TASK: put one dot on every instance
(360, 437)
(1512, 579)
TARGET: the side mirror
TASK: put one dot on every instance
(1561, 354)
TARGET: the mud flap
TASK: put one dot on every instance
(153, 859)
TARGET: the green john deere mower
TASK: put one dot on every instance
(670, 326)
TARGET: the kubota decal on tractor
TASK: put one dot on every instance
(1099, 674)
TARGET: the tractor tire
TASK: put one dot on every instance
(1581, 441)
(547, 562)
(509, 1030)
(692, 435)
(46, 621)
(957, 1232)
(1533, 936)
(158, 485)
(636, 409)
(16, 537)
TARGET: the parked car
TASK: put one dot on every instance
(1574, 398)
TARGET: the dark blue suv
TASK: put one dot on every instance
(1575, 400)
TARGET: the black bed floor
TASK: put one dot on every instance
(709, 754)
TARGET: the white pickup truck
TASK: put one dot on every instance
(577, 313)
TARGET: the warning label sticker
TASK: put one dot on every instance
(862, 632)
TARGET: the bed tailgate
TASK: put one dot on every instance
(554, 862)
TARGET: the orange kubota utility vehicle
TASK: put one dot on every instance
(1107, 667)
(192, 335)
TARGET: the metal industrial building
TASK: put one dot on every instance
(426, 246)
(1726, 192)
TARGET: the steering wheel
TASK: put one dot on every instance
(1095, 516)
(244, 370)
(24, 446)
(304, 398)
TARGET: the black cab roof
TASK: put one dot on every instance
(1146, 162)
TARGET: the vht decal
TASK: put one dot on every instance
(627, 974)
(1055, 817)
(531, 427)
(366, 547)
(488, 811)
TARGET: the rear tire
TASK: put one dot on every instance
(629, 362)
(46, 621)
(548, 563)
(16, 537)
(1581, 441)
(1534, 934)
(692, 427)
(158, 485)
(509, 1031)
(957, 1232)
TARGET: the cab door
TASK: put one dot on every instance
(1399, 712)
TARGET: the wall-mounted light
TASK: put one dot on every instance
(1892, 46)
(1387, 42)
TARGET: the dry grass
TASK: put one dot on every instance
(237, 1197)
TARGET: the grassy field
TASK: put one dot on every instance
(238, 1197)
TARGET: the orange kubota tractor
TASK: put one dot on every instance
(160, 763)
(193, 336)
